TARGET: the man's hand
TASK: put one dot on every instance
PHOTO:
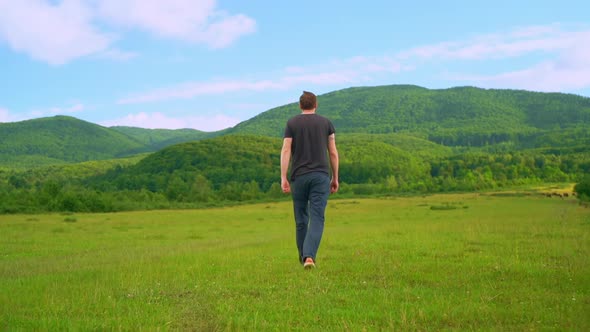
(286, 186)
(334, 185)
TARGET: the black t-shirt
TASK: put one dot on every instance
(309, 148)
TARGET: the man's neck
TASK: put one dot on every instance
(308, 111)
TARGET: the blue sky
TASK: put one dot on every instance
(209, 64)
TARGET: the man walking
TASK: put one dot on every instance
(308, 143)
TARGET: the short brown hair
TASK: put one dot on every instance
(308, 101)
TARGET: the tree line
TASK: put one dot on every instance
(234, 169)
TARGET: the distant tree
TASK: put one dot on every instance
(390, 184)
(177, 187)
(201, 190)
(275, 191)
(250, 191)
(582, 189)
(232, 191)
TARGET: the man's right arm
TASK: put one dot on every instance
(334, 162)
(285, 161)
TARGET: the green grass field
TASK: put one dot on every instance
(446, 262)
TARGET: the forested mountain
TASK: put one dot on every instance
(64, 139)
(463, 116)
(499, 120)
(60, 139)
(391, 139)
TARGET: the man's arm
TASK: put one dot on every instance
(285, 161)
(334, 161)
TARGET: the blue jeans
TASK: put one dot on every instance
(310, 194)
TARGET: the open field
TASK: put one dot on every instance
(469, 261)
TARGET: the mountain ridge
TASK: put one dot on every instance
(391, 140)
(407, 108)
(65, 139)
(457, 116)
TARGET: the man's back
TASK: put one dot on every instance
(310, 133)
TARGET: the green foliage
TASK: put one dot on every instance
(582, 188)
(61, 188)
(246, 168)
(372, 161)
(418, 147)
(218, 161)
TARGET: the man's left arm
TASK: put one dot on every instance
(334, 163)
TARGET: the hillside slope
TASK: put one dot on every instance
(60, 139)
(232, 161)
(156, 139)
(458, 116)
(64, 139)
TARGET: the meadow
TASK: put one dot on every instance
(441, 262)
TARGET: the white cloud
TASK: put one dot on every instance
(249, 106)
(522, 41)
(58, 32)
(157, 120)
(349, 71)
(570, 72)
(566, 68)
(117, 55)
(564, 65)
(225, 31)
(564, 52)
(192, 89)
(188, 20)
(56, 110)
(76, 108)
(55, 34)
(5, 115)
(534, 30)
(10, 116)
